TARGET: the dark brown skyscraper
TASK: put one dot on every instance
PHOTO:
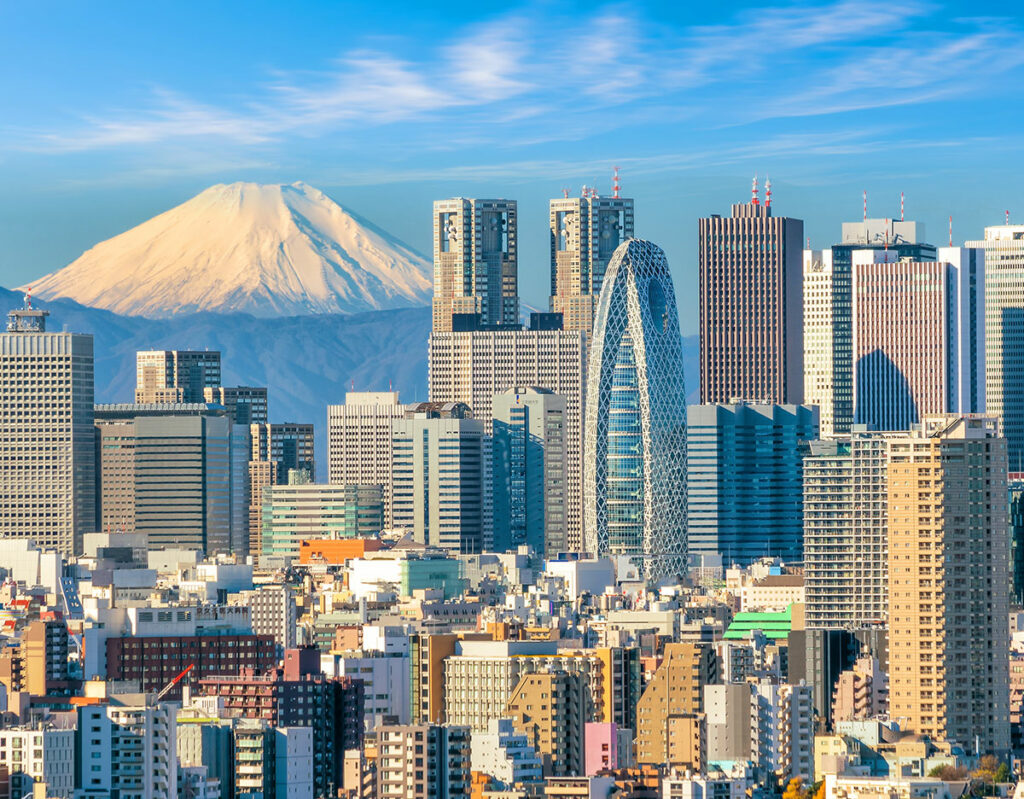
(751, 306)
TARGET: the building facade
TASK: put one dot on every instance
(175, 375)
(246, 404)
(47, 473)
(744, 461)
(635, 422)
(423, 761)
(751, 306)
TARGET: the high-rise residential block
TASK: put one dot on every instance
(530, 468)
(359, 441)
(441, 478)
(1003, 246)
(585, 232)
(423, 761)
(828, 312)
(949, 582)
(744, 461)
(476, 269)
(550, 709)
(246, 404)
(751, 306)
(175, 375)
(475, 365)
(845, 521)
(274, 612)
(38, 752)
(47, 472)
(635, 422)
(918, 336)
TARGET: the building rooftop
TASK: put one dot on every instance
(774, 625)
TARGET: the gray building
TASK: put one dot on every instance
(173, 473)
(47, 474)
(246, 404)
(743, 479)
(530, 470)
(441, 478)
(273, 613)
(175, 375)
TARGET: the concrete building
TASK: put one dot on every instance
(273, 613)
(949, 629)
(744, 463)
(301, 511)
(918, 336)
(828, 307)
(551, 709)
(861, 693)
(474, 366)
(441, 478)
(359, 441)
(424, 761)
(505, 755)
(47, 474)
(385, 680)
(530, 468)
(476, 267)
(404, 571)
(277, 451)
(1003, 246)
(272, 762)
(846, 545)
(175, 375)
(174, 473)
(246, 405)
(782, 731)
(38, 753)
(751, 306)
(585, 232)
(634, 497)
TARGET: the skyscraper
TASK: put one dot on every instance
(751, 306)
(175, 375)
(635, 430)
(918, 336)
(47, 472)
(246, 404)
(530, 487)
(1004, 333)
(949, 583)
(475, 262)
(828, 307)
(276, 450)
(743, 462)
(585, 232)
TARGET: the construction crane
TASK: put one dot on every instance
(164, 691)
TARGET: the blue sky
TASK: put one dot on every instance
(112, 112)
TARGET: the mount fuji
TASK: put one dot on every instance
(263, 250)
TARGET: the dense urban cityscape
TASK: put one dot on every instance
(554, 577)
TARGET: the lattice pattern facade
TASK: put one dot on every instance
(635, 421)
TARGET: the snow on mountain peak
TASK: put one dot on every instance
(266, 250)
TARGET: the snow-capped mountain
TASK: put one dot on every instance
(265, 250)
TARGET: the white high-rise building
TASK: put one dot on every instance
(474, 366)
(47, 472)
(1004, 334)
(359, 441)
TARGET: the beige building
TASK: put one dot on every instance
(861, 693)
(551, 709)
(949, 572)
(175, 375)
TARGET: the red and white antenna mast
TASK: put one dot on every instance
(865, 205)
(1007, 217)
(767, 192)
(901, 206)
(753, 193)
(28, 295)
(616, 185)
(950, 230)
(565, 193)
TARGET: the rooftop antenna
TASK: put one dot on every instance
(1007, 222)
(583, 191)
(901, 206)
(950, 230)
(565, 193)
(865, 205)
(887, 221)
(753, 193)
(28, 296)
(767, 192)
(615, 183)
(808, 242)
(353, 384)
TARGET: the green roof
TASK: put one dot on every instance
(773, 625)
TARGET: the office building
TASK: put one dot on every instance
(473, 366)
(530, 467)
(273, 612)
(948, 625)
(476, 270)
(441, 478)
(1003, 246)
(175, 375)
(301, 511)
(550, 709)
(277, 451)
(173, 472)
(1016, 488)
(246, 405)
(423, 761)
(47, 473)
(846, 537)
(359, 441)
(744, 463)
(751, 306)
(585, 232)
(828, 312)
(918, 336)
(635, 422)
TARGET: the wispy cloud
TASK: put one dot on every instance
(529, 78)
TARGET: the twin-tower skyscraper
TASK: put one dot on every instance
(611, 343)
